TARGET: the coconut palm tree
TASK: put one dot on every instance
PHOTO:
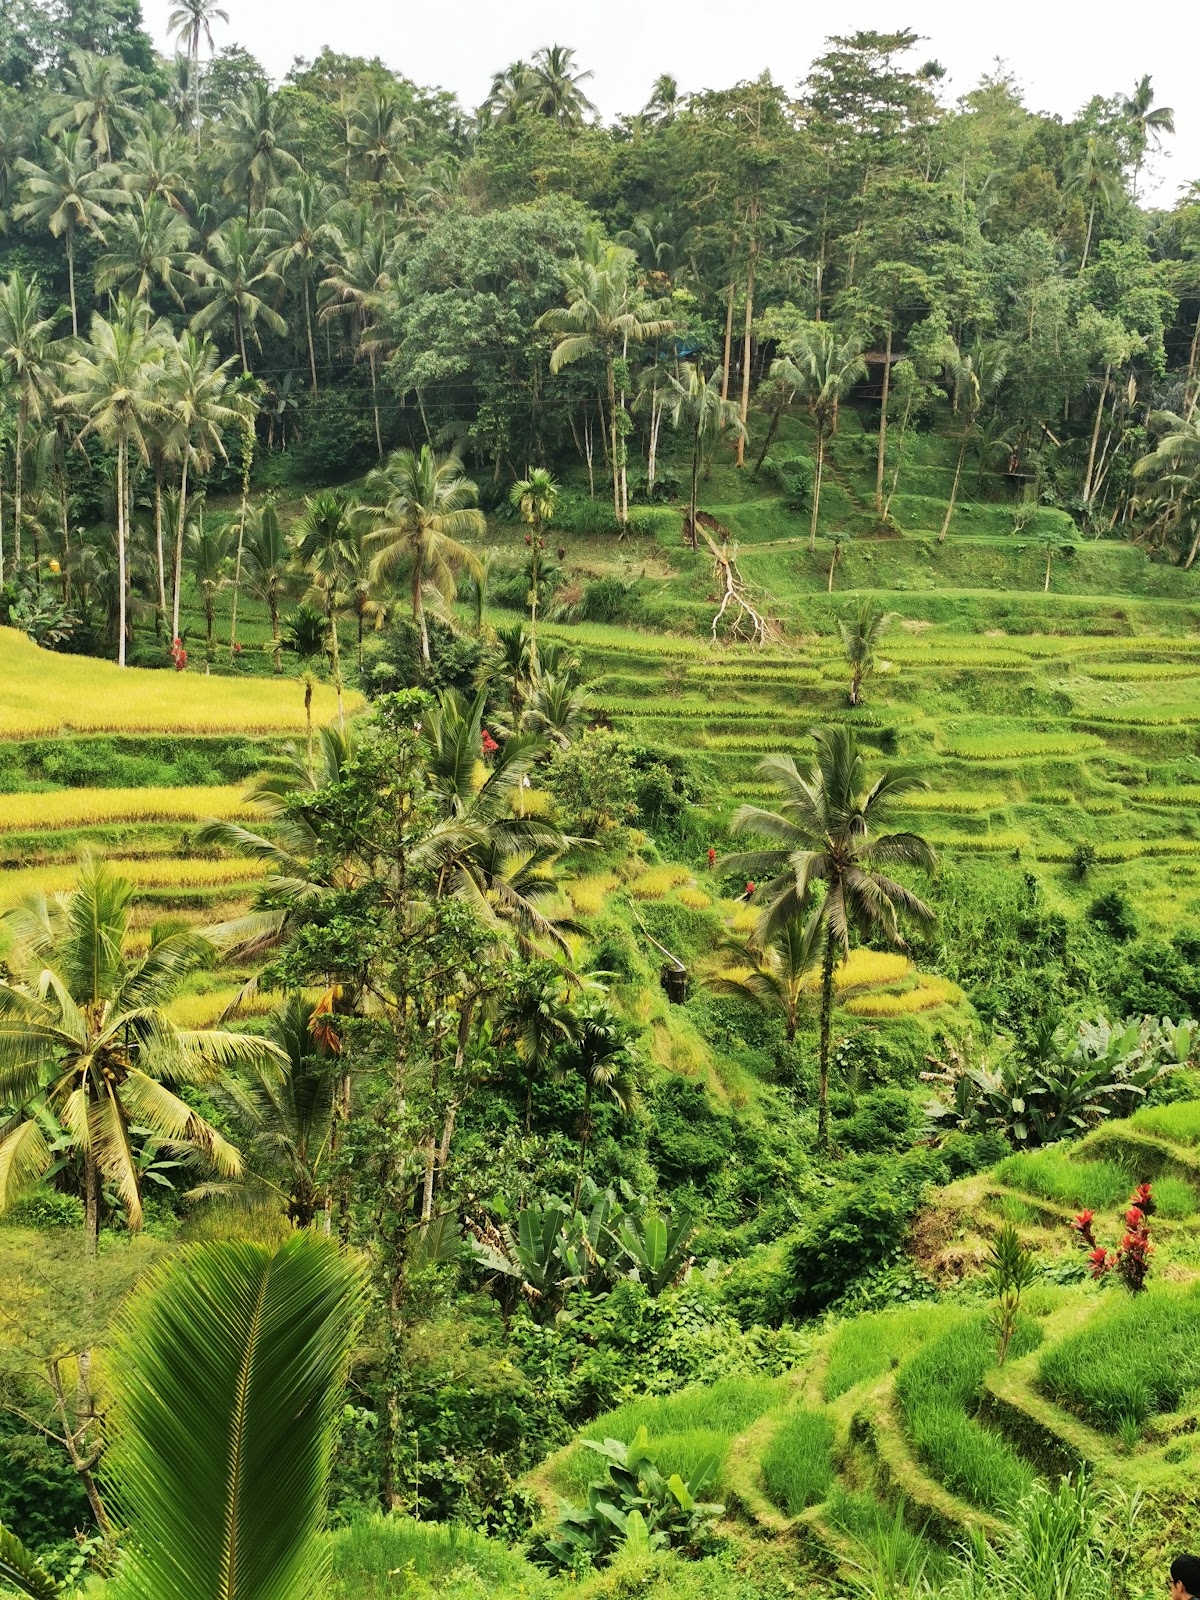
(380, 127)
(258, 158)
(665, 102)
(860, 633)
(360, 591)
(189, 22)
(698, 402)
(86, 1039)
(151, 246)
(1147, 121)
(323, 550)
(537, 1019)
(1090, 171)
(821, 369)
(974, 376)
(508, 95)
(358, 286)
(421, 507)
(115, 382)
(601, 1053)
(70, 192)
(302, 221)
(606, 312)
(101, 102)
(208, 556)
(25, 362)
(157, 163)
(201, 408)
(778, 976)
(553, 86)
(556, 710)
(236, 277)
(269, 560)
(826, 838)
(535, 497)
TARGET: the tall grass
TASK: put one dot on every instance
(797, 1466)
(1136, 1358)
(885, 1538)
(867, 1346)
(1052, 1174)
(382, 1558)
(1180, 1122)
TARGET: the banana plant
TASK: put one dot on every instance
(655, 1249)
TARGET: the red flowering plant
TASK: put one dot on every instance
(178, 654)
(489, 744)
(1131, 1259)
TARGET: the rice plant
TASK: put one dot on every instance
(656, 882)
(1134, 1359)
(926, 995)
(1179, 1122)
(869, 1345)
(81, 808)
(797, 1466)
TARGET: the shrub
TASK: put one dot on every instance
(593, 784)
(1113, 912)
(607, 600)
(797, 1467)
(793, 475)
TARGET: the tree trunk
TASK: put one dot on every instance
(273, 608)
(1091, 464)
(728, 343)
(768, 441)
(121, 603)
(237, 566)
(744, 409)
(881, 452)
(179, 527)
(612, 423)
(19, 477)
(887, 504)
(1087, 243)
(418, 610)
(958, 466)
(241, 337)
(161, 613)
(71, 280)
(1049, 559)
(585, 1133)
(826, 1023)
(337, 665)
(375, 404)
(812, 532)
(91, 1205)
(1193, 385)
(695, 475)
(312, 354)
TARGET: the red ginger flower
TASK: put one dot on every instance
(489, 744)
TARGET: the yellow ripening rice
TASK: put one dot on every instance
(587, 894)
(205, 1010)
(655, 882)
(693, 899)
(929, 993)
(84, 808)
(46, 694)
(159, 873)
(873, 967)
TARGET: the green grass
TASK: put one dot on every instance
(871, 1344)
(796, 1466)
(1179, 1123)
(1138, 1357)
(383, 1558)
(875, 1528)
(1051, 1174)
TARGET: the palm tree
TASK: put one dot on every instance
(605, 311)
(698, 400)
(380, 127)
(600, 1052)
(535, 497)
(860, 634)
(553, 86)
(157, 163)
(821, 369)
(973, 377)
(359, 285)
(101, 102)
(208, 558)
(115, 383)
(258, 161)
(1090, 171)
(1148, 122)
(69, 192)
(228, 1375)
(1172, 474)
(269, 559)
(151, 247)
(323, 550)
(826, 834)
(201, 408)
(359, 590)
(537, 1018)
(302, 219)
(421, 507)
(24, 352)
(85, 1038)
(556, 710)
(778, 975)
(236, 276)
(665, 102)
(190, 21)
(507, 96)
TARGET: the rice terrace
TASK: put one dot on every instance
(599, 828)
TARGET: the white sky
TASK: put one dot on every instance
(1062, 51)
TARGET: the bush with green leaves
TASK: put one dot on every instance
(793, 476)
(593, 784)
(633, 1502)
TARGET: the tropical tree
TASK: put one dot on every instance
(821, 368)
(69, 192)
(420, 507)
(189, 22)
(826, 838)
(538, 1021)
(860, 633)
(535, 497)
(556, 709)
(150, 249)
(87, 1045)
(114, 382)
(380, 127)
(268, 557)
(24, 360)
(157, 164)
(601, 1053)
(974, 376)
(237, 278)
(552, 86)
(1148, 122)
(358, 285)
(698, 402)
(777, 977)
(208, 557)
(1090, 171)
(323, 550)
(360, 591)
(227, 1378)
(101, 102)
(258, 160)
(302, 221)
(606, 310)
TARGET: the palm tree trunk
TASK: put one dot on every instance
(1, 518)
(18, 478)
(881, 452)
(337, 665)
(827, 966)
(744, 410)
(1091, 465)
(1049, 558)
(1193, 386)
(375, 405)
(695, 474)
(312, 354)
(887, 504)
(1087, 243)
(91, 1204)
(273, 608)
(161, 613)
(812, 532)
(958, 466)
(121, 604)
(776, 413)
(71, 280)
(180, 525)
(585, 1133)
(237, 568)
(612, 423)
(241, 337)
(728, 343)
(418, 610)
